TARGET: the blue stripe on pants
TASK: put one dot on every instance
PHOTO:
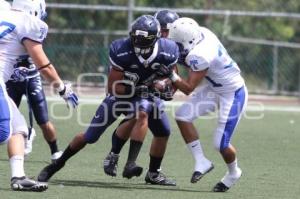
(4, 117)
(233, 117)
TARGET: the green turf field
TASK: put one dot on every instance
(268, 151)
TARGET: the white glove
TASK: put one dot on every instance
(66, 92)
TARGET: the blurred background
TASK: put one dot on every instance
(263, 36)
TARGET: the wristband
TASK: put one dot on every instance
(174, 77)
(61, 88)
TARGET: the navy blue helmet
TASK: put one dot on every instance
(166, 17)
(144, 33)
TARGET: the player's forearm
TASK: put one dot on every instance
(51, 76)
(117, 89)
(184, 86)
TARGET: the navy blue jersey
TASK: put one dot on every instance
(136, 68)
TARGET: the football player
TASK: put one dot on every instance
(21, 34)
(4, 5)
(122, 133)
(134, 62)
(224, 89)
(37, 105)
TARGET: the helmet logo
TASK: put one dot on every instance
(142, 33)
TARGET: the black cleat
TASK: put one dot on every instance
(131, 170)
(220, 187)
(158, 178)
(26, 184)
(110, 164)
(49, 171)
(197, 175)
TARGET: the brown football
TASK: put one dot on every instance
(161, 84)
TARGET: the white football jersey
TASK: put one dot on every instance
(223, 74)
(4, 5)
(15, 26)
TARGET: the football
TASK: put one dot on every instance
(161, 84)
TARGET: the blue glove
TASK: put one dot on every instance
(20, 74)
(68, 95)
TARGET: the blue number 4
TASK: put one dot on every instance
(8, 28)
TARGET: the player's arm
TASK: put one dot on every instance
(40, 59)
(189, 85)
(115, 82)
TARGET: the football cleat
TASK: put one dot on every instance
(228, 181)
(131, 170)
(197, 175)
(28, 142)
(26, 184)
(49, 171)
(56, 155)
(158, 178)
(220, 187)
(110, 164)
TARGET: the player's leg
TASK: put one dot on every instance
(119, 138)
(142, 107)
(39, 107)
(160, 127)
(103, 118)
(202, 102)
(15, 91)
(15, 148)
(232, 106)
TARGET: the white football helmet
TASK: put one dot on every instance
(4, 5)
(33, 7)
(185, 32)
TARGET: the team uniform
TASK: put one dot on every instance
(224, 88)
(13, 30)
(138, 71)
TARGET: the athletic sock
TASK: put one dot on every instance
(67, 154)
(117, 143)
(134, 150)
(201, 163)
(17, 166)
(232, 167)
(53, 146)
(155, 163)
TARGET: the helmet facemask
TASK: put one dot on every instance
(145, 31)
(142, 42)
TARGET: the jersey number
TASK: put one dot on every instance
(6, 28)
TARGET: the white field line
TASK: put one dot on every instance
(255, 106)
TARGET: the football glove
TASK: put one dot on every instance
(165, 93)
(164, 71)
(20, 74)
(68, 95)
(142, 91)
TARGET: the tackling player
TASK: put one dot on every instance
(22, 33)
(134, 63)
(122, 133)
(31, 86)
(224, 89)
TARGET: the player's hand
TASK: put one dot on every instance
(168, 93)
(141, 91)
(20, 74)
(164, 71)
(68, 95)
